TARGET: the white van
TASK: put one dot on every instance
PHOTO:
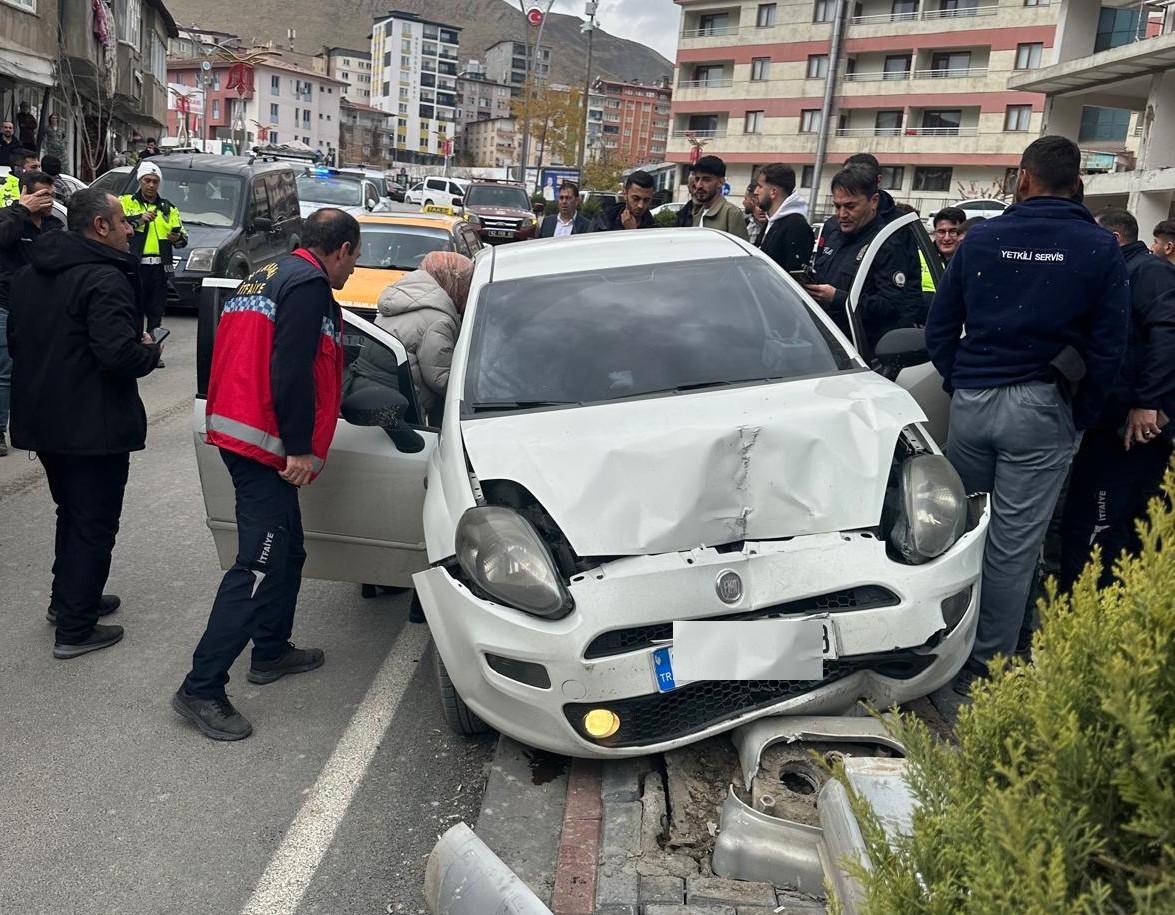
(437, 190)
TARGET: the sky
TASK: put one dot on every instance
(651, 22)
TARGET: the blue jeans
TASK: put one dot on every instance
(258, 595)
(5, 371)
(1015, 442)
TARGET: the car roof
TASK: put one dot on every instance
(242, 165)
(608, 250)
(422, 220)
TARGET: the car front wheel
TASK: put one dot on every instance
(458, 716)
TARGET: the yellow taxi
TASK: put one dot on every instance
(394, 244)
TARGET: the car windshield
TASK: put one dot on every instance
(331, 190)
(399, 247)
(203, 198)
(610, 334)
(489, 196)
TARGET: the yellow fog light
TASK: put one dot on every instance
(601, 723)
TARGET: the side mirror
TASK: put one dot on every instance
(458, 202)
(262, 224)
(900, 349)
(383, 407)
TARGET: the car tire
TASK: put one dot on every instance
(428, 203)
(458, 716)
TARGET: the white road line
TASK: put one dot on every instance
(286, 879)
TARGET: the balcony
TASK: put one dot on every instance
(725, 31)
(714, 83)
(717, 133)
(905, 75)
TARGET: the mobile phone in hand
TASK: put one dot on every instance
(159, 334)
(803, 276)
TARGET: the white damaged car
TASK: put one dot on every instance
(668, 498)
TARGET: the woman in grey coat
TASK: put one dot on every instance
(423, 309)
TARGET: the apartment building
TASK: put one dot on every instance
(287, 104)
(921, 84)
(351, 67)
(629, 120)
(479, 100)
(366, 135)
(506, 63)
(1112, 91)
(414, 76)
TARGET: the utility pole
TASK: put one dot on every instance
(589, 9)
(536, 15)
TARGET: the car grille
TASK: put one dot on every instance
(661, 717)
(635, 638)
(500, 223)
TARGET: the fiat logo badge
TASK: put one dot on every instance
(729, 587)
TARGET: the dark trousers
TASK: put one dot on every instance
(258, 595)
(88, 492)
(1108, 492)
(153, 289)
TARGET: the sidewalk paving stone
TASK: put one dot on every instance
(662, 889)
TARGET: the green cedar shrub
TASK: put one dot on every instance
(665, 219)
(590, 208)
(1059, 798)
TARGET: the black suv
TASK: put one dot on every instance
(239, 212)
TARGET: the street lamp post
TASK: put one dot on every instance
(589, 9)
(526, 80)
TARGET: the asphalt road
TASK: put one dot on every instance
(110, 804)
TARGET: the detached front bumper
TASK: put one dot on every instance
(535, 679)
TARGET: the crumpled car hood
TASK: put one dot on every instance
(666, 474)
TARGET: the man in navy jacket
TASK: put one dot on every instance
(1040, 283)
(1123, 453)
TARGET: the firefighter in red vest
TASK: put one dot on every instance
(273, 401)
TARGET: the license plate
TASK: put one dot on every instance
(500, 233)
(662, 657)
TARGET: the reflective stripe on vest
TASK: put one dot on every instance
(251, 435)
(927, 276)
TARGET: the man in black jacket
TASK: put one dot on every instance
(76, 352)
(567, 221)
(1123, 453)
(787, 238)
(633, 211)
(892, 295)
(21, 224)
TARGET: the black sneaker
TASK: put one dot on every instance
(216, 718)
(107, 604)
(3, 444)
(953, 696)
(160, 364)
(101, 637)
(294, 661)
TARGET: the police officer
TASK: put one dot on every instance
(20, 161)
(158, 230)
(1039, 291)
(1123, 453)
(273, 402)
(891, 296)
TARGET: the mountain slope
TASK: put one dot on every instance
(347, 23)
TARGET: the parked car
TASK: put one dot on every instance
(437, 190)
(499, 212)
(238, 212)
(321, 186)
(620, 457)
(396, 191)
(394, 244)
(667, 208)
(986, 207)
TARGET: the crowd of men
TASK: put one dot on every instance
(1053, 330)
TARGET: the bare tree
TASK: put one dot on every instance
(91, 98)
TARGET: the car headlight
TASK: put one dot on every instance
(534, 221)
(200, 260)
(472, 219)
(932, 508)
(504, 555)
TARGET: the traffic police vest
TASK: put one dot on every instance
(150, 238)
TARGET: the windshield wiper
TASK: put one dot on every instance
(490, 405)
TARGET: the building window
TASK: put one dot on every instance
(888, 124)
(942, 123)
(810, 120)
(823, 11)
(893, 177)
(950, 9)
(275, 85)
(273, 113)
(753, 123)
(760, 68)
(215, 109)
(1036, 2)
(1028, 55)
(30, 5)
(703, 76)
(1104, 125)
(713, 24)
(130, 23)
(766, 17)
(904, 10)
(950, 63)
(806, 175)
(897, 66)
(1116, 27)
(1016, 117)
(817, 66)
(932, 178)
